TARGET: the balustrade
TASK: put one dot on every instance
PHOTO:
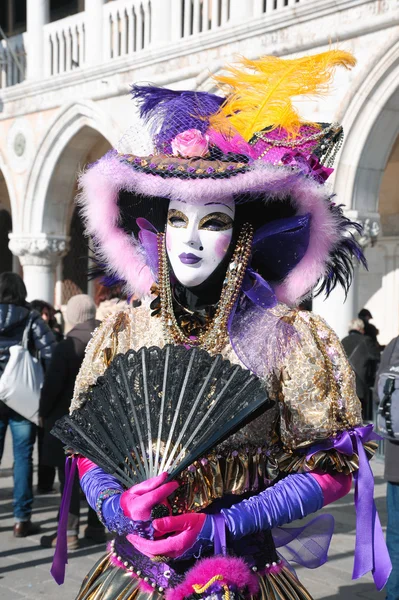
(200, 16)
(270, 6)
(12, 60)
(127, 27)
(64, 45)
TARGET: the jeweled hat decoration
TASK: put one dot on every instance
(256, 121)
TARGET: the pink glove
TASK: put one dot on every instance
(137, 502)
(189, 531)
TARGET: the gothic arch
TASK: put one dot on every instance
(6, 211)
(69, 139)
(371, 122)
(8, 199)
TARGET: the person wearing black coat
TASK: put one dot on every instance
(55, 399)
(361, 352)
(14, 317)
(45, 473)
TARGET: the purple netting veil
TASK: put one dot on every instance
(251, 330)
(307, 545)
(169, 112)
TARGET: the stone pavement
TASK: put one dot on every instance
(24, 565)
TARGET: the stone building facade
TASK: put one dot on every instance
(65, 71)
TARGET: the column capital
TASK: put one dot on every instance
(371, 227)
(40, 250)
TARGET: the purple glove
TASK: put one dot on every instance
(125, 511)
(294, 497)
(103, 493)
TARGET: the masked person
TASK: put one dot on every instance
(226, 226)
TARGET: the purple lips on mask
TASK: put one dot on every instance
(189, 259)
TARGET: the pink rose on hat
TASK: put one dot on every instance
(190, 143)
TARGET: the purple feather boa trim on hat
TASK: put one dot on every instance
(124, 257)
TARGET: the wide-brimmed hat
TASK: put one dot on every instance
(251, 146)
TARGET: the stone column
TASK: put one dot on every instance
(165, 22)
(39, 255)
(241, 11)
(37, 15)
(94, 11)
(337, 310)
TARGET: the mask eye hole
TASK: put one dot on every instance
(177, 219)
(216, 222)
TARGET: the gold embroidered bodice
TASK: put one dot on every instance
(314, 392)
(314, 386)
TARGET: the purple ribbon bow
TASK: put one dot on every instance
(148, 239)
(219, 540)
(309, 165)
(258, 290)
(60, 559)
(371, 552)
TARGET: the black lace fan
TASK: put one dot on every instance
(159, 410)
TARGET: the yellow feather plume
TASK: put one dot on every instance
(260, 95)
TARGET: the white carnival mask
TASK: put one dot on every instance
(198, 237)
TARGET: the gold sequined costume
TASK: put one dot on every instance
(279, 237)
(308, 389)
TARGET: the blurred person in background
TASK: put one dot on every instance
(48, 314)
(45, 473)
(369, 329)
(361, 353)
(54, 403)
(14, 317)
(371, 332)
(110, 300)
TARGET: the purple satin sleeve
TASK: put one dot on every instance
(292, 498)
(94, 482)
(212, 535)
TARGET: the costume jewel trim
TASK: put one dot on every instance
(331, 138)
(170, 167)
(136, 571)
(214, 336)
(99, 502)
(120, 523)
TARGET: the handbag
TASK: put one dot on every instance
(22, 379)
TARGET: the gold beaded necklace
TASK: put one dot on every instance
(214, 336)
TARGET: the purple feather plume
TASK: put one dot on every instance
(339, 268)
(98, 270)
(170, 112)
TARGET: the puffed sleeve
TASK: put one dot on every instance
(317, 402)
(321, 429)
(114, 336)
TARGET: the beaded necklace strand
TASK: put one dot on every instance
(214, 336)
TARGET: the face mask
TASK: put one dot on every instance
(198, 237)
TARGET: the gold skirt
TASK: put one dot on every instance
(108, 582)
